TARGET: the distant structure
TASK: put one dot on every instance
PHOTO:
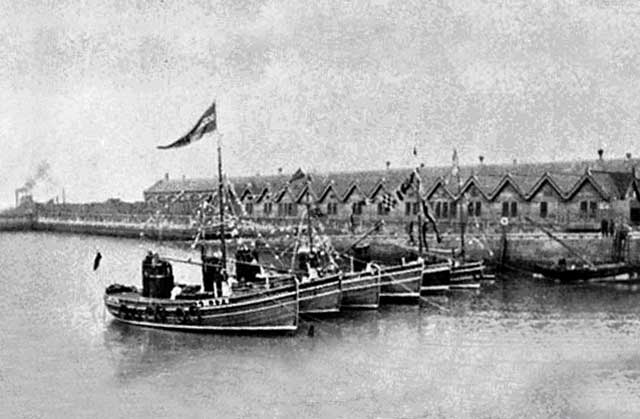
(576, 194)
(23, 195)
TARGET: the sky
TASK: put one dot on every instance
(90, 88)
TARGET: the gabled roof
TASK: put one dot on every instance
(507, 180)
(350, 190)
(439, 183)
(473, 181)
(587, 178)
(610, 177)
(546, 179)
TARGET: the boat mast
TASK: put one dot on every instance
(417, 207)
(221, 202)
(462, 223)
(309, 216)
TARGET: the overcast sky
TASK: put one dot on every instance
(89, 88)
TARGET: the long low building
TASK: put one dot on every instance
(578, 194)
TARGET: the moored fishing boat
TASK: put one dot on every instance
(320, 284)
(263, 308)
(601, 272)
(361, 289)
(401, 281)
(466, 274)
(361, 284)
(436, 278)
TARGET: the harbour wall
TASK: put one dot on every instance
(388, 244)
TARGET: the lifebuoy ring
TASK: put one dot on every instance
(194, 313)
(149, 313)
(160, 314)
(123, 311)
(504, 221)
(181, 316)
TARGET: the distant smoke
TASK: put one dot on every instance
(41, 174)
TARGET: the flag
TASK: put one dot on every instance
(299, 174)
(96, 261)
(429, 216)
(207, 123)
(455, 169)
(389, 202)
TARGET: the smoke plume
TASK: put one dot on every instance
(41, 174)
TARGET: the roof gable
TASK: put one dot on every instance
(507, 181)
(586, 180)
(544, 180)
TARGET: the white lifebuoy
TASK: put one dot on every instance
(504, 221)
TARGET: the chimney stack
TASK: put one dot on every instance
(166, 176)
(388, 164)
(600, 153)
(481, 158)
(628, 155)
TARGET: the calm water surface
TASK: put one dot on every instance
(518, 348)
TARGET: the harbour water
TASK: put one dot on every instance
(517, 348)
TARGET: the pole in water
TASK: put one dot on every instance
(312, 331)
(96, 260)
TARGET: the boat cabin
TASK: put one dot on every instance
(157, 277)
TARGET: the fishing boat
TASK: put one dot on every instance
(601, 272)
(361, 290)
(217, 306)
(585, 270)
(466, 274)
(260, 308)
(436, 278)
(361, 285)
(320, 286)
(401, 281)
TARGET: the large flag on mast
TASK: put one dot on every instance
(207, 123)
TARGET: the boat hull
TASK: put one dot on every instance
(321, 296)
(436, 278)
(361, 290)
(602, 272)
(401, 282)
(467, 275)
(271, 310)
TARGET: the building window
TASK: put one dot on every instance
(332, 208)
(588, 209)
(407, 208)
(438, 209)
(453, 206)
(291, 208)
(583, 209)
(356, 208)
(445, 210)
(266, 208)
(544, 210)
(281, 210)
(510, 209)
(248, 207)
(382, 209)
(478, 208)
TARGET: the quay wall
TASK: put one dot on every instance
(388, 243)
